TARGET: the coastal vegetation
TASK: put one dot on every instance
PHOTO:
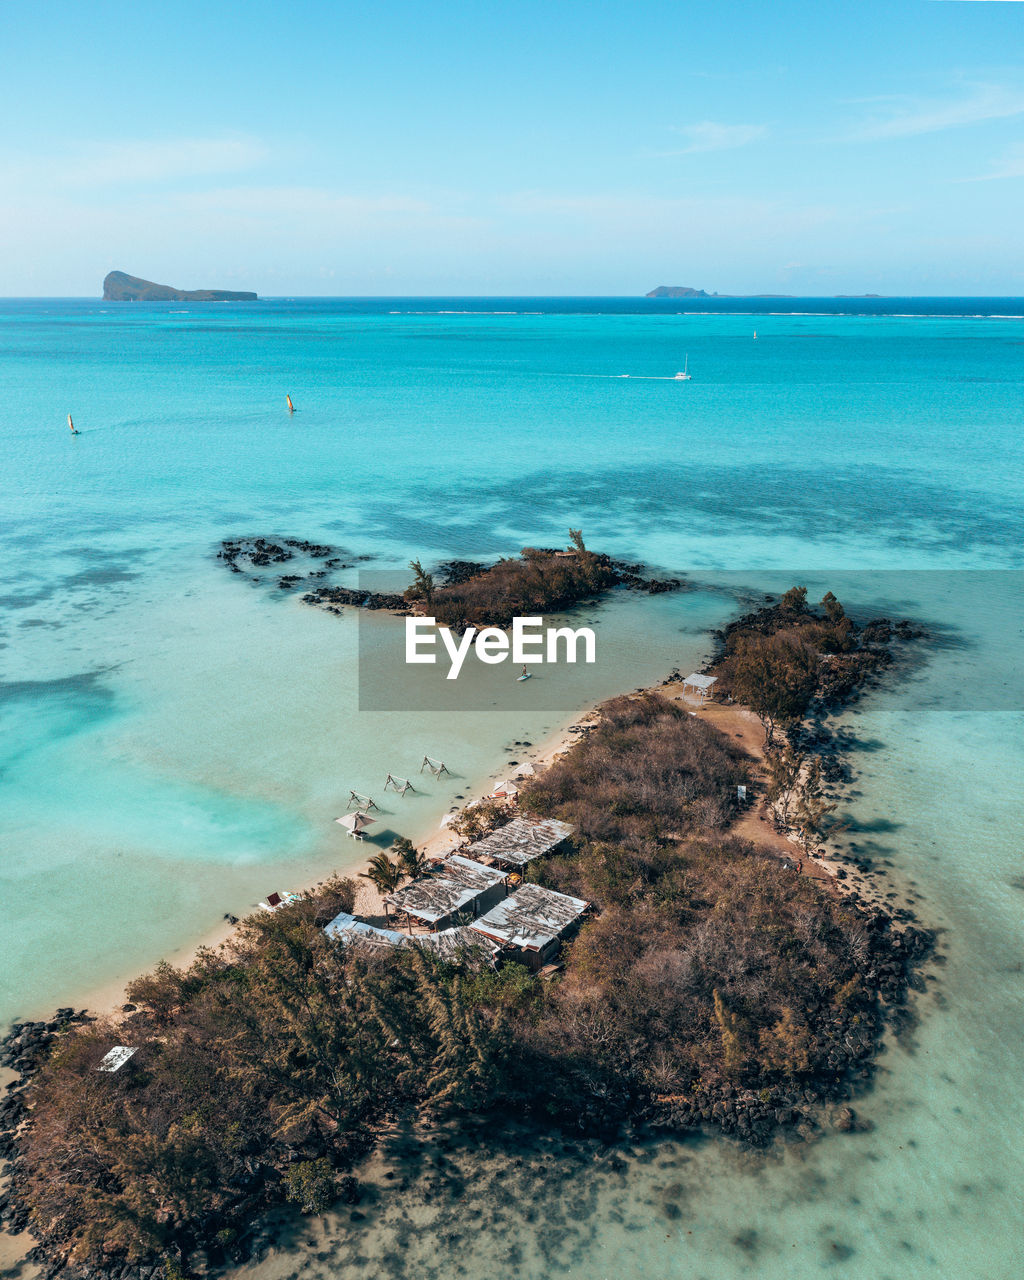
(711, 968)
(459, 593)
(386, 873)
(536, 582)
(713, 986)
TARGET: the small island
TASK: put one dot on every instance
(675, 291)
(661, 949)
(460, 593)
(121, 287)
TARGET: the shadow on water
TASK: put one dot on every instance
(863, 746)
(870, 826)
(83, 684)
(869, 852)
(108, 576)
(922, 513)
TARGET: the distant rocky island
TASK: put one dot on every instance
(675, 291)
(684, 291)
(121, 287)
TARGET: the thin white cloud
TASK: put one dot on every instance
(137, 162)
(711, 135)
(166, 160)
(641, 215)
(1010, 165)
(299, 201)
(905, 117)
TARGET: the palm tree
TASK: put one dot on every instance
(384, 875)
(410, 859)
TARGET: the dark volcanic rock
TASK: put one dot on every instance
(356, 599)
(453, 572)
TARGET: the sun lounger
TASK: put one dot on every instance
(275, 901)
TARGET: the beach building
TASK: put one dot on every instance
(460, 891)
(531, 923)
(519, 842)
(433, 901)
(453, 944)
(450, 944)
(347, 928)
(490, 883)
(700, 686)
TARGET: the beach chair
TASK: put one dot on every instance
(275, 901)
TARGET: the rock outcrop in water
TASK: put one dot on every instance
(493, 587)
(121, 287)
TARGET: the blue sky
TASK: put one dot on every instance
(797, 146)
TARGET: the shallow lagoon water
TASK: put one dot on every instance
(176, 740)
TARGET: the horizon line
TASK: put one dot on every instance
(379, 297)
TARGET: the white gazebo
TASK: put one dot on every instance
(356, 823)
(700, 685)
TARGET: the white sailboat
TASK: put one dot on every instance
(684, 375)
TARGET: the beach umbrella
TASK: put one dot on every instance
(356, 822)
(506, 788)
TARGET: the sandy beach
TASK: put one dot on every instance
(733, 720)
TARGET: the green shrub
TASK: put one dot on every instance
(310, 1184)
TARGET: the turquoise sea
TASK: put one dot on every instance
(175, 740)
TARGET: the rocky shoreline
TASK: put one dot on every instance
(898, 947)
(755, 1116)
(22, 1051)
(242, 554)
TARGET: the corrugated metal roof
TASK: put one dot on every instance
(433, 898)
(346, 928)
(531, 917)
(116, 1058)
(471, 873)
(521, 840)
(450, 944)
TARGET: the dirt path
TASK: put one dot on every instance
(744, 728)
